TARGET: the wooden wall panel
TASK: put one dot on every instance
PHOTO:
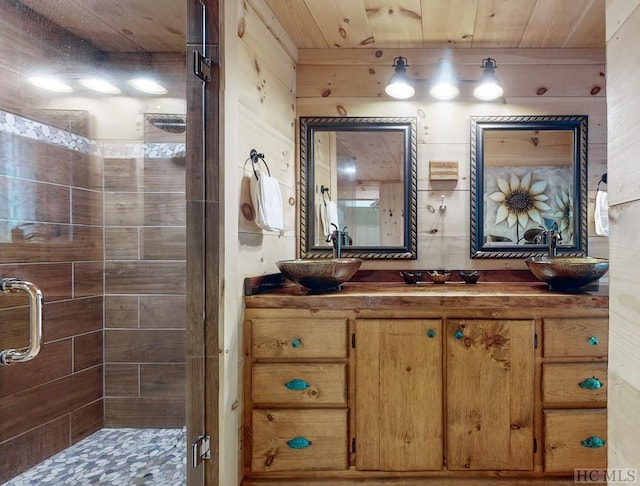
(121, 380)
(87, 350)
(623, 102)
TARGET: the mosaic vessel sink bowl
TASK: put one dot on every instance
(567, 273)
(320, 275)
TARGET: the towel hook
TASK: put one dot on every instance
(255, 156)
(602, 179)
(322, 191)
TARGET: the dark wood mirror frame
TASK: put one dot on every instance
(576, 126)
(309, 126)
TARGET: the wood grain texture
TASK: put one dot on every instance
(399, 395)
(86, 420)
(326, 384)
(144, 412)
(299, 339)
(572, 337)
(325, 429)
(490, 394)
(561, 384)
(564, 430)
(144, 346)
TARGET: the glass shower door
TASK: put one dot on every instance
(93, 210)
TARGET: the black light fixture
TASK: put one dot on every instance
(399, 85)
(444, 85)
(489, 87)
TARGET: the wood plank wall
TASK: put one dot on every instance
(258, 112)
(350, 82)
(623, 102)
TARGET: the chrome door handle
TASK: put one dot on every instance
(8, 356)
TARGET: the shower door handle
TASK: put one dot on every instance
(10, 285)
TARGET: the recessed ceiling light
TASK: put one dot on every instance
(147, 85)
(99, 85)
(50, 84)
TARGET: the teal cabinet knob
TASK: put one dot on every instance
(594, 341)
(592, 442)
(458, 335)
(296, 343)
(431, 333)
(297, 384)
(299, 443)
(590, 384)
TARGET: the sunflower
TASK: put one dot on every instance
(564, 212)
(520, 200)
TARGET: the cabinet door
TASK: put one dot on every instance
(398, 395)
(490, 386)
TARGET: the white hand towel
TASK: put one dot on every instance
(601, 216)
(266, 199)
(328, 215)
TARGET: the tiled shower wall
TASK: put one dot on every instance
(51, 233)
(115, 250)
(145, 256)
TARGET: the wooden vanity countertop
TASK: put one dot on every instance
(394, 295)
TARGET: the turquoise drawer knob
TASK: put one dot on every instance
(431, 333)
(592, 442)
(296, 343)
(297, 384)
(458, 335)
(594, 341)
(591, 384)
(299, 443)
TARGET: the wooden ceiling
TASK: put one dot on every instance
(159, 25)
(443, 23)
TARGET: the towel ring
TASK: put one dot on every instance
(255, 156)
(322, 191)
(602, 179)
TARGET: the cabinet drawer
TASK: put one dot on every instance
(293, 440)
(574, 382)
(299, 338)
(576, 337)
(298, 384)
(565, 434)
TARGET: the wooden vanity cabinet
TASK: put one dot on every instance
(424, 389)
(574, 393)
(398, 394)
(490, 394)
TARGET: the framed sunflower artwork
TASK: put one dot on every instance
(528, 174)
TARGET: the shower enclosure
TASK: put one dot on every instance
(93, 212)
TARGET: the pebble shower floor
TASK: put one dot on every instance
(110, 457)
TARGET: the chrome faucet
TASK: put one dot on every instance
(553, 236)
(339, 239)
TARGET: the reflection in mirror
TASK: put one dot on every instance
(359, 173)
(528, 175)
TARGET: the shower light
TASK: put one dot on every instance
(99, 85)
(147, 85)
(50, 84)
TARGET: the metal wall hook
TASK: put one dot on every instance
(602, 179)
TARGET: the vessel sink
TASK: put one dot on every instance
(320, 275)
(567, 273)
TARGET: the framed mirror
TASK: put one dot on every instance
(528, 174)
(358, 173)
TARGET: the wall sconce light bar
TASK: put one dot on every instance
(444, 85)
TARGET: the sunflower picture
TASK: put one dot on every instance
(520, 199)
